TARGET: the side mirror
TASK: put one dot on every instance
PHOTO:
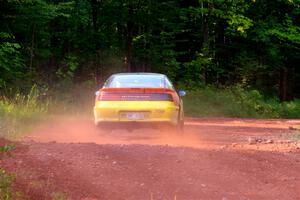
(97, 93)
(181, 93)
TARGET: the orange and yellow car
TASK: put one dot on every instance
(139, 98)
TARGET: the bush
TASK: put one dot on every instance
(20, 112)
(290, 109)
(237, 102)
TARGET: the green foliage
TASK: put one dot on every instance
(239, 23)
(237, 102)
(61, 42)
(68, 67)
(289, 109)
(11, 61)
(7, 148)
(193, 73)
(6, 180)
(171, 65)
(21, 111)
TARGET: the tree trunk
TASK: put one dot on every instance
(283, 84)
(98, 68)
(129, 38)
(205, 29)
(32, 48)
(94, 14)
(287, 83)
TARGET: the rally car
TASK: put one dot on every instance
(140, 98)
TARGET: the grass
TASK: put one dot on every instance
(237, 102)
(17, 114)
(58, 196)
(7, 148)
(6, 180)
(75, 100)
(20, 112)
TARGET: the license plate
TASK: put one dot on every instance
(135, 116)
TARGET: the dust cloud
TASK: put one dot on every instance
(70, 130)
(214, 133)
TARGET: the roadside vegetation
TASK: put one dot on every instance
(236, 101)
(6, 180)
(19, 112)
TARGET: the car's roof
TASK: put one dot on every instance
(138, 73)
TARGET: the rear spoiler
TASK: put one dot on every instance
(140, 90)
(168, 91)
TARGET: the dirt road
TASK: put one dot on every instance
(220, 159)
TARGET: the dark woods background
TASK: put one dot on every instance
(59, 43)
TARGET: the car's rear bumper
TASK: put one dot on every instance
(157, 111)
(134, 125)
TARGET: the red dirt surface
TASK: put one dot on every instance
(220, 159)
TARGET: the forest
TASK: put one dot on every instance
(56, 44)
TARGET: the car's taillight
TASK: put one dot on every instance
(114, 96)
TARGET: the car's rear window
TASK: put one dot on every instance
(138, 81)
